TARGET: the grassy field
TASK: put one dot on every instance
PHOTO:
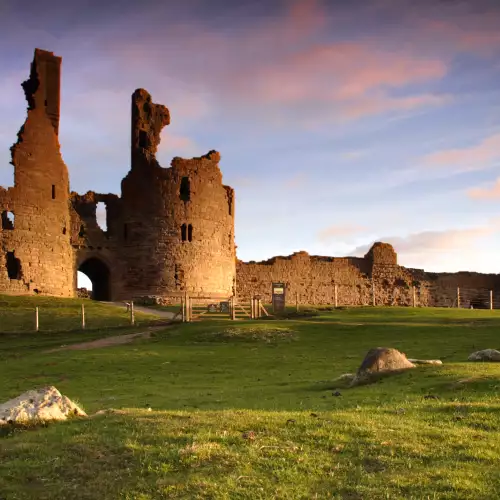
(246, 410)
(17, 314)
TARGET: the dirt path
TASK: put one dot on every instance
(146, 310)
(108, 341)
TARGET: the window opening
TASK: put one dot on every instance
(190, 232)
(8, 220)
(13, 265)
(53, 192)
(81, 233)
(185, 190)
(183, 232)
(101, 215)
(143, 139)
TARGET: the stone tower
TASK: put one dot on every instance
(36, 255)
(178, 222)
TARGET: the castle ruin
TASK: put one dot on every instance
(170, 231)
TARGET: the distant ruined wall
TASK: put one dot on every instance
(314, 279)
(35, 250)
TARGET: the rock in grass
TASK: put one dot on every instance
(381, 361)
(485, 355)
(426, 361)
(39, 405)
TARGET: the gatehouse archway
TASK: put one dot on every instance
(98, 273)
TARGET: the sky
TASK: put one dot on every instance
(338, 123)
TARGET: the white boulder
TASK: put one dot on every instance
(41, 404)
(426, 361)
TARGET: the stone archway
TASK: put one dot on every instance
(99, 274)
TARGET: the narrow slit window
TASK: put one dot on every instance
(190, 232)
(185, 190)
(8, 220)
(183, 232)
(53, 192)
(81, 234)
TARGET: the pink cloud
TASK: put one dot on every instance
(491, 193)
(477, 33)
(279, 63)
(339, 72)
(371, 105)
(296, 180)
(338, 231)
(474, 157)
(427, 242)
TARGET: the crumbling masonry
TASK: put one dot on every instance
(170, 231)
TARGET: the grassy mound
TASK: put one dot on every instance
(249, 333)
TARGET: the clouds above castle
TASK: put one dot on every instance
(380, 115)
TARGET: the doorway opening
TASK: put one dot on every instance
(98, 274)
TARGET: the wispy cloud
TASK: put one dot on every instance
(475, 157)
(297, 180)
(339, 231)
(488, 193)
(427, 242)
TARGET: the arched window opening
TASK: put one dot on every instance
(183, 232)
(8, 220)
(190, 232)
(53, 191)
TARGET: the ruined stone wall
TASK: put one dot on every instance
(314, 279)
(97, 249)
(35, 250)
(178, 222)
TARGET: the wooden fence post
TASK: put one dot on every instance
(36, 319)
(491, 299)
(183, 308)
(233, 307)
(132, 315)
(336, 295)
(458, 297)
(83, 316)
(414, 297)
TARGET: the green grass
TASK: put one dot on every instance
(246, 411)
(17, 314)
